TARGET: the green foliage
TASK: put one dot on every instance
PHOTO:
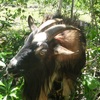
(91, 85)
(7, 91)
(11, 38)
(13, 31)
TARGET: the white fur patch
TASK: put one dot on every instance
(40, 37)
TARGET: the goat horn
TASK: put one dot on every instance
(56, 29)
(51, 32)
(48, 24)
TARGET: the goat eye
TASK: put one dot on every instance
(43, 52)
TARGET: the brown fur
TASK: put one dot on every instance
(71, 65)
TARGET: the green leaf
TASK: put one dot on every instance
(1, 84)
(91, 82)
(13, 95)
(5, 98)
(1, 97)
(14, 89)
(2, 89)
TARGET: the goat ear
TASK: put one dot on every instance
(31, 24)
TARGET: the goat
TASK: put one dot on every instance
(55, 50)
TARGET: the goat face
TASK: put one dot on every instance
(37, 46)
(30, 54)
(27, 57)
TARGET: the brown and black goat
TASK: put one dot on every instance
(55, 50)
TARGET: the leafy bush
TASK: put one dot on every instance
(8, 92)
(13, 31)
